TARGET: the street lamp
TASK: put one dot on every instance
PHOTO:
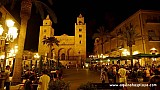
(13, 51)
(9, 36)
(36, 56)
(11, 54)
(1, 64)
(125, 52)
(153, 51)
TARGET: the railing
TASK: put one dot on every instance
(154, 38)
(153, 21)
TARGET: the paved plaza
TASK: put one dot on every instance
(78, 76)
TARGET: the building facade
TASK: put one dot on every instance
(71, 49)
(11, 48)
(146, 23)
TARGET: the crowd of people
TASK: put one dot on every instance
(123, 73)
(32, 80)
(40, 82)
(114, 73)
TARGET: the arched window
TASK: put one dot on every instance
(44, 37)
(63, 56)
(80, 42)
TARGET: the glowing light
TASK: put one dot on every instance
(36, 55)
(135, 52)
(86, 65)
(153, 50)
(12, 32)
(10, 23)
(1, 29)
(2, 56)
(125, 52)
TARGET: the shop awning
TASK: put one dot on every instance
(141, 55)
(137, 56)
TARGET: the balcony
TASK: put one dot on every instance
(112, 50)
(153, 21)
(106, 52)
(154, 39)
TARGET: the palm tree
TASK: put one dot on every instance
(26, 6)
(130, 35)
(50, 41)
(101, 34)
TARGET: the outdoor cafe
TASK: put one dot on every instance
(143, 59)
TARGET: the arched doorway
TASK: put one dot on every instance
(70, 54)
(61, 54)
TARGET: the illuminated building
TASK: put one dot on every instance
(147, 25)
(71, 49)
(10, 49)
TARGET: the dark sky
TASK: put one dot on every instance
(108, 13)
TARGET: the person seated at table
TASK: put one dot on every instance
(157, 70)
(155, 80)
(28, 84)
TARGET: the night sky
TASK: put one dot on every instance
(108, 13)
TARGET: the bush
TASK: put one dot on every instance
(58, 85)
(86, 86)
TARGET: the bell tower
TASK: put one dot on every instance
(80, 37)
(45, 31)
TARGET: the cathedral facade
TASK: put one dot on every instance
(71, 49)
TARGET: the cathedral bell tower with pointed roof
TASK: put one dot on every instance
(80, 37)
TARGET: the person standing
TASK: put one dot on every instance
(103, 78)
(157, 70)
(114, 73)
(123, 76)
(28, 84)
(110, 75)
(43, 81)
(7, 74)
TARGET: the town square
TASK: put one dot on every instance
(79, 45)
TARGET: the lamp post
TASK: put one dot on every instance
(2, 59)
(13, 51)
(90, 61)
(9, 36)
(36, 56)
(153, 51)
